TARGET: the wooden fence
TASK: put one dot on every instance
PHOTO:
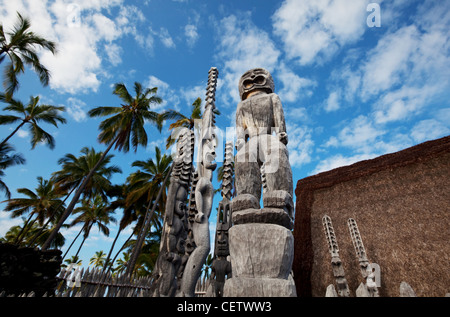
(78, 282)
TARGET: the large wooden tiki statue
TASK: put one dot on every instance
(262, 159)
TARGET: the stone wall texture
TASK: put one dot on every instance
(401, 203)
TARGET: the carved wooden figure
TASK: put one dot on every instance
(336, 263)
(370, 288)
(262, 159)
(172, 248)
(221, 267)
(203, 193)
(260, 241)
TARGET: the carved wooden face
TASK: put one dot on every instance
(255, 79)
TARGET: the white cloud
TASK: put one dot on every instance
(242, 46)
(76, 109)
(406, 71)
(332, 142)
(332, 103)
(429, 129)
(22, 133)
(168, 95)
(190, 31)
(297, 113)
(387, 63)
(300, 145)
(315, 30)
(6, 222)
(408, 77)
(113, 51)
(84, 35)
(190, 94)
(339, 160)
(402, 103)
(165, 38)
(360, 134)
(294, 86)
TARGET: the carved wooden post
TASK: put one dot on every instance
(336, 263)
(221, 267)
(203, 193)
(370, 288)
(260, 240)
(172, 247)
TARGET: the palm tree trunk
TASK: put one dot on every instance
(84, 239)
(25, 225)
(14, 132)
(145, 227)
(117, 254)
(77, 195)
(72, 243)
(111, 250)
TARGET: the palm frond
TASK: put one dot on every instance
(104, 111)
(38, 135)
(5, 119)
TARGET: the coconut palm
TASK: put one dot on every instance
(73, 260)
(119, 194)
(8, 160)
(32, 232)
(40, 204)
(92, 212)
(144, 185)
(122, 263)
(75, 169)
(125, 125)
(98, 260)
(20, 46)
(183, 121)
(32, 114)
(146, 261)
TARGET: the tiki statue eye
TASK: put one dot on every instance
(248, 83)
(260, 80)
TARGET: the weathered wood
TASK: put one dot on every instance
(261, 245)
(204, 192)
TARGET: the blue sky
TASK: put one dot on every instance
(350, 91)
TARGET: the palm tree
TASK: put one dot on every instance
(146, 261)
(73, 260)
(32, 232)
(92, 212)
(125, 125)
(20, 45)
(122, 264)
(7, 160)
(11, 235)
(143, 185)
(32, 114)
(42, 204)
(75, 169)
(120, 192)
(98, 260)
(127, 122)
(184, 121)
